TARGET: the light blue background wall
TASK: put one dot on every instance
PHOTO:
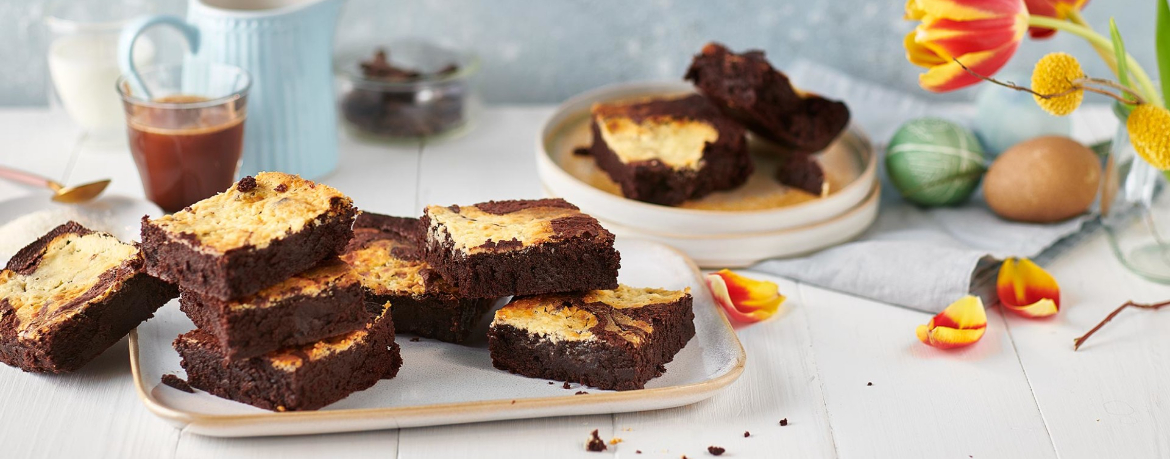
(547, 50)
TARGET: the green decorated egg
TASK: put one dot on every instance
(934, 162)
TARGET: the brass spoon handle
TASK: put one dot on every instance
(28, 178)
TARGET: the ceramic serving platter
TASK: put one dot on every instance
(760, 205)
(746, 249)
(442, 383)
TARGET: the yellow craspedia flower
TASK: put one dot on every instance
(1149, 131)
(1054, 74)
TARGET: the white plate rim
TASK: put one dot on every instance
(476, 411)
(824, 208)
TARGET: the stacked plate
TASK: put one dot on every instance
(762, 219)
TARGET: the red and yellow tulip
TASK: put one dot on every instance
(1058, 9)
(744, 299)
(982, 34)
(1027, 289)
(960, 324)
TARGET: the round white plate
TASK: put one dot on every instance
(741, 250)
(117, 215)
(849, 163)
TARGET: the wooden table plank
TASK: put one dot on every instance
(562, 437)
(780, 381)
(924, 402)
(381, 444)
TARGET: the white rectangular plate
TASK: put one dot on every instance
(442, 383)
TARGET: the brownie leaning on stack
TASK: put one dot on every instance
(282, 323)
(569, 319)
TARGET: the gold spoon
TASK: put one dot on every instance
(61, 193)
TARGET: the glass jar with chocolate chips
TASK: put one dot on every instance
(407, 90)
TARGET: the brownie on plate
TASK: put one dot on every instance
(523, 247)
(70, 295)
(610, 339)
(257, 233)
(668, 150)
(294, 378)
(746, 87)
(313, 305)
(386, 255)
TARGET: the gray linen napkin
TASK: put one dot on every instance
(918, 258)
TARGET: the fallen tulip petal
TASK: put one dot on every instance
(1027, 289)
(960, 324)
(744, 299)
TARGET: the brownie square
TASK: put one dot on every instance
(669, 150)
(313, 305)
(386, 254)
(523, 247)
(259, 232)
(609, 339)
(747, 88)
(294, 378)
(70, 295)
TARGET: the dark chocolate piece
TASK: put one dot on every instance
(595, 443)
(386, 255)
(716, 451)
(784, 422)
(249, 237)
(177, 383)
(324, 301)
(295, 378)
(669, 150)
(609, 339)
(70, 295)
(747, 88)
(549, 246)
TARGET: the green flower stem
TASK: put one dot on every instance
(1097, 40)
(1106, 54)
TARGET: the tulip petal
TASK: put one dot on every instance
(960, 324)
(949, 38)
(1027, 289)
(968, 10)
(1058, 9)
(950, 76)
(920, 55)
(744, 299)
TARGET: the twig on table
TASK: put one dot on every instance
(1079, 341)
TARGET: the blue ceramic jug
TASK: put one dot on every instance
(286, 45)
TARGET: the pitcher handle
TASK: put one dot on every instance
(130, 34)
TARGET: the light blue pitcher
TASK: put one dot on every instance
(287, 47)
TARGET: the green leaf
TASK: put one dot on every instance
(1162, 43)
(1119, 52)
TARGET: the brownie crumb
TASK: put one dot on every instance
(746, 434)
(414, 340)
(177, 383)
(715, 450)
(551, 383)
(580, 392)
(595, 443)
(581, 151)
(637, 451)
(281, 188)
(783, 422)
(246, 184)
(566, 385)
(868, 384)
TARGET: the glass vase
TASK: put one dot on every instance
(1128, 210)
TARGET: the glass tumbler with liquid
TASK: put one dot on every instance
(186, 129)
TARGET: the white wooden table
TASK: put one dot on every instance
(1020, 392)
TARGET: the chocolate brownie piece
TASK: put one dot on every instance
(610, 339)
(802, 172)
(313, 305)
(386, 254)
(523, 247)
(70, 295)
(259, 232)
(668, 150)
(294, 378)
(748, 89)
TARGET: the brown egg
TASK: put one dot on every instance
(1043, 180)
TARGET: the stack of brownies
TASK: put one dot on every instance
(282, 322)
